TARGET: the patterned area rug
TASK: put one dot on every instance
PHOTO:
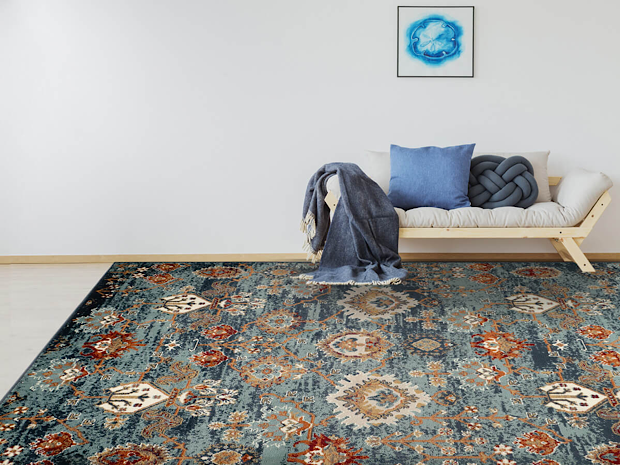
(203, 363)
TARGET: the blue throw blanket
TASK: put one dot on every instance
(360, 246)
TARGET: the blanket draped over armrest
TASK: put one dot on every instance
(361, 244)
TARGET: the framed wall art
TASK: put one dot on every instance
(435, 41)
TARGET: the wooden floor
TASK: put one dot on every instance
(35, 301)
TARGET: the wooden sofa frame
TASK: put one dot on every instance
(565, 240)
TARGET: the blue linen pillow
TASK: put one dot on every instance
(430, 176)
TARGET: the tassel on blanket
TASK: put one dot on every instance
(308, 227)
(313, 255)
(309, 280)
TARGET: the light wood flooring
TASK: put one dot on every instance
(35, 301)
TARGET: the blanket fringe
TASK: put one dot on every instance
(308, 227)
(314, 256)
(350, 283)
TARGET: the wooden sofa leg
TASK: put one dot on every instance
(577, 255)
(561, 250)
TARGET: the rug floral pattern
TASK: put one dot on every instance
(241, 363)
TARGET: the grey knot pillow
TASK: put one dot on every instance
(496, 181)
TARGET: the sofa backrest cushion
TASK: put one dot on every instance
(377, 166)
(430, 176)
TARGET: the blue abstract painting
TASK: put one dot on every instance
(435, 41)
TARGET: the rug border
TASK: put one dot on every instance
(65, 323)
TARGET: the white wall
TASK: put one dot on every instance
(193, 126)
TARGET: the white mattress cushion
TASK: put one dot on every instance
(539, 215)
(573, 199)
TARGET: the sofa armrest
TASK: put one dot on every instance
(580, 189)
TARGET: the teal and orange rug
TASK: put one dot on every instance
(241, 363)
